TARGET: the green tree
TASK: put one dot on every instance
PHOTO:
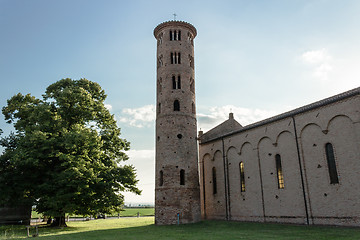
(66, 153)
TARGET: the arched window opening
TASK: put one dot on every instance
(330, 157)
(160, 61)
(175, 58)
(159, 108)
(171, 35)
(161, 178)
(280, 176)
(242, 177)
(160, 38)
(192, 85)
(191, 61)
(193, 108)
(174, 82)
(179, 82)
(160, 84)
(214, 180)
(176, 105)
(182, 177)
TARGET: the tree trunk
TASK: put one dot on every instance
(59, 221)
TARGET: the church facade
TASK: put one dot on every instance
(302, 166)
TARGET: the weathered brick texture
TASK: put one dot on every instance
(176, 200)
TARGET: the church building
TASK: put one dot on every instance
(302, 166)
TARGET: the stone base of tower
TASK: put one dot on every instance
(184, 206)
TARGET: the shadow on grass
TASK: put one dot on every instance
(209, 230)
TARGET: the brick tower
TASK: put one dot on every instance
(177, 191)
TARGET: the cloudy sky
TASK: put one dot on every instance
(255, 58)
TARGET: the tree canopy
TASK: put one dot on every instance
(66, 153)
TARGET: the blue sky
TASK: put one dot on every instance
(255, 58)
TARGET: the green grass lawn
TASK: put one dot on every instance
(128, 212)
(144, 228)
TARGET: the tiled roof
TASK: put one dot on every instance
(210, 137)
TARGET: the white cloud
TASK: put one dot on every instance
(139, 117)
(244, 116)
(316, 56)
(320, 62)
(108, 107)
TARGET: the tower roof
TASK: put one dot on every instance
(175, 23)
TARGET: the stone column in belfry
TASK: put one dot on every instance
(177, 190)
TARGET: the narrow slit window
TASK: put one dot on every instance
(159, 108)
(176, 105)
(179, 35)
(179, 82)
(214, 180)
(330, 157)
(179, 58)
(192, 85)
(182, 177)
(171, 35)
(160, 85)
(280, 176)
(242, 177)
(161, 178)
(174, 82)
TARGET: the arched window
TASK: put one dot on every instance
(159, 108)
(242, 177)
(160, 84)
(182, 177)
(179, 82)
(214, 180)
(280, 176)
(330, 157)
(192, 85)
(161, 178)
(193, 108)
(175, 58)
(176, 105)
(171, 35)
(174, 82)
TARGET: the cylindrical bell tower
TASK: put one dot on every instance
(177, 191)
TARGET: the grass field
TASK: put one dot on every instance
(144, 228)
(128, 212)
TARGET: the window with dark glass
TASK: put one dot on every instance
(176, 105)
(330, 157)
(242, 177)
(161, 178)
(214, 180)
(182, 177)
(280, 176)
